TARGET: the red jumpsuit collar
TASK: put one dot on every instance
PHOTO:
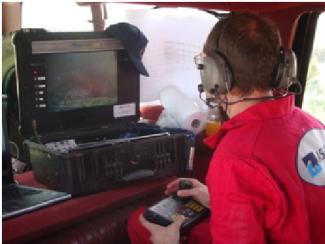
(258, 112)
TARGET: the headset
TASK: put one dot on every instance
(217, 76)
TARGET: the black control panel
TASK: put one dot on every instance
(85, 168)
(166, 211)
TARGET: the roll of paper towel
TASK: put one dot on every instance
(186, 112)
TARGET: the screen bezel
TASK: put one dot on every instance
(42, 121)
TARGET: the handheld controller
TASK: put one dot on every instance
(165, 211)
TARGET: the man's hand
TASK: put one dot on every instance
(161, 234)
(199, 191)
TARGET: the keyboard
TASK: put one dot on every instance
(19, 199)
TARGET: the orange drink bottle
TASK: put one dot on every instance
(212, 127)
(213, 123)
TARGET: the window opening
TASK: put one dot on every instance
(314, 95)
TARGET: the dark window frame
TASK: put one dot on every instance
(303, 47)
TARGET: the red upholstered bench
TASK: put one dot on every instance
(95, 218)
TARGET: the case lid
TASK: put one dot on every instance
(73, 80)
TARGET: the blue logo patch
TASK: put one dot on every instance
(312, 165)
(310, 158)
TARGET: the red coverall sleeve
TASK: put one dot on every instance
(245, 202)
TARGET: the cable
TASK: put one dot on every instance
(215, 13)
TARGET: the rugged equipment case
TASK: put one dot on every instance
(92, 149)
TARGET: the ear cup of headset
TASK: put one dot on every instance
(216, 74)
(286, 72)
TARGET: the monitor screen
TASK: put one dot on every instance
(81, 80)
(73, 80)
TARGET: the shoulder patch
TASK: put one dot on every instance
(311, 157)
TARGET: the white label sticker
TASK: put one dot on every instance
(311, 157)
(123, 110)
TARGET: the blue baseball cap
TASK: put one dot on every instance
(133, 40)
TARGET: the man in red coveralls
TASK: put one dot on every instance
(266, 180)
